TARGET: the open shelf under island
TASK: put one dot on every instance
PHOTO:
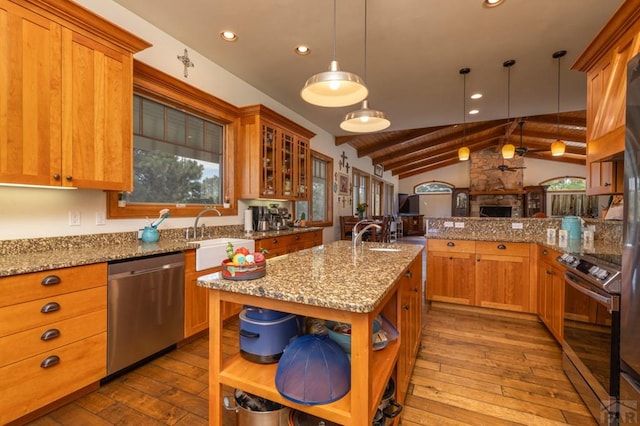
(337, 282)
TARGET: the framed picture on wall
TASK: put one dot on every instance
(378, 169)
(343, 184)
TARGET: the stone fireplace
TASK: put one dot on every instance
(492, 187)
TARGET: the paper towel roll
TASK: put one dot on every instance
(248, 220)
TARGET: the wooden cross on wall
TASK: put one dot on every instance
(186, 62)
(343, 161)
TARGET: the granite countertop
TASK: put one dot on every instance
(333, 275)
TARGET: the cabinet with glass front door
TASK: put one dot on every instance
(274, 156)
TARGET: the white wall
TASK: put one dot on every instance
(536, 171)
(31, 212)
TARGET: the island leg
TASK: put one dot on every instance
(215, 357)
(361, 356)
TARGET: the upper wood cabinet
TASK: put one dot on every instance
(274, 156)
(66, 99)
(605, 62)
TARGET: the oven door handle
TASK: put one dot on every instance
(609, 302)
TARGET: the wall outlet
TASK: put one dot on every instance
(459, 225)
(448, 224)
(516, 225)
(100, 218)
(74, 218)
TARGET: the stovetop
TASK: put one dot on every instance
(595, 270)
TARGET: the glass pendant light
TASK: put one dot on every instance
(558, 147)
(508, 150)
(365, 120)
(334, 88)
(464, 152)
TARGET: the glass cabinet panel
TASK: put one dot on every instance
(302, 169)
(286, 164)
(269, 165)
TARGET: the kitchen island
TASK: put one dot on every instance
(337, 282)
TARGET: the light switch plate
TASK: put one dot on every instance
(459, 225)
(516, 225)
(448, 224)
(74, 218)
(100, 218)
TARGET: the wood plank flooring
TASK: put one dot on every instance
(472, 369)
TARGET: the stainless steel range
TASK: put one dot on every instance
(591, 339)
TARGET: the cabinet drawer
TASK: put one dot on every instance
(18, 346)
(547, 254)
(25, 316)
(26, 287)
(27, 386)
(502, 248)
(460, 246)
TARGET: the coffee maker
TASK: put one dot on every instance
(279, 217)
(261, 218)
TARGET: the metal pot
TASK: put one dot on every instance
(388, 405)
(275, 414)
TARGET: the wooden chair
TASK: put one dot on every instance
(346, 226)
(385, 232)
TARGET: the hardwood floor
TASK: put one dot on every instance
(472, 369)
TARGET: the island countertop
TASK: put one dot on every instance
(333, 275)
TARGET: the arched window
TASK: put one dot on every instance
(433, 187)
(565, 183)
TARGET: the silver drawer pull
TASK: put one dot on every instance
(50, 307)
(50, 361)
(502, 247)
(408, 274)
(52, 333)
(51, 280)
(451, 244)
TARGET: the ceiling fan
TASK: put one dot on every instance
(523, 150)
(504, 168)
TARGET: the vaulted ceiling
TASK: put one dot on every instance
(410, 152)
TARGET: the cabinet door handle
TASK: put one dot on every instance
(607, 184)
(415, 289)
(408, 274)
(549, 272)
(69, 178)
(451, 244)
(50, 307)
(56, 176)
(52, 333)
(297, 237)
(274, 241)
(50, 361)
(51, 280)
(405, 307)
(502, 247)
(450, 257)
(545, 252)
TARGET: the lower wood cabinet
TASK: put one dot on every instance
(502, 275)
(283, 244)
(451, 271)
(413, 224)
(551, 291)
(410, 300)
(53, 336)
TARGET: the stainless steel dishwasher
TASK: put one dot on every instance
(145, 308)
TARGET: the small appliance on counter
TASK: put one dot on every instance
(261, 218)
(280, 217)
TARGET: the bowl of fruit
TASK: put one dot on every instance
(241, 264)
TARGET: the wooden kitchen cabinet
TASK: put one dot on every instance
(413, 224)
(196, 298)
(283, 244)
(69, 97)
(410, 296)
(502, 275)
(460, 202)
(551, 291)
(605, 63)
(274, 156)
(605, 177)
(535, 200)
(451, 271)
(53, 336)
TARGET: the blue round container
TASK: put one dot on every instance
(572, 225)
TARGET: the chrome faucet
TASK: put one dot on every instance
(358, 236)
(202, 212)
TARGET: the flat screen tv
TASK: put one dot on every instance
(408, 204)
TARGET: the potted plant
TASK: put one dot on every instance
(361, 209)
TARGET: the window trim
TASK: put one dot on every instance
(367, 190)
(154, 84)
(329, 194)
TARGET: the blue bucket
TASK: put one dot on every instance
(573, 226)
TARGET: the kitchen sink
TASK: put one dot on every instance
(384, 249)
(212, 252)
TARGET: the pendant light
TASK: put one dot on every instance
(464, 152)
(365, 120)
(558, 147)
(508, 150)
(334, 88)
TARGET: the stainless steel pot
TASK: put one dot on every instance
(388, 405)
(277, 414)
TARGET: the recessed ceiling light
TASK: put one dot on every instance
(228, 36)
(474, 111)
(492, 3)
(476, 96)
(302, 50)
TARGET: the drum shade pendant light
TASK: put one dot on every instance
(464, 152)
(508, 150)
(558, 147)
(365, 120)
(334, 88)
